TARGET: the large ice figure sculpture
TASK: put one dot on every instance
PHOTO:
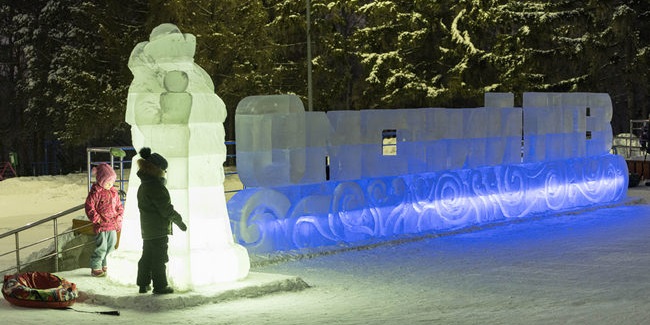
(173, 109)
(451, 168)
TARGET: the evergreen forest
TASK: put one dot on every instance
(64, 77)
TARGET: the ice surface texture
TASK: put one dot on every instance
(294, 217)
(451, 167)
(279, 144)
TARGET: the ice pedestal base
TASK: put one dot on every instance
(223, 264)
(201, 267)
(110, 294)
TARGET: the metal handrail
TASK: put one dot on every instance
(16, 232)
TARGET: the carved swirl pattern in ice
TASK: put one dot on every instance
(331, 213)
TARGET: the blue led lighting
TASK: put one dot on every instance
(445, 169)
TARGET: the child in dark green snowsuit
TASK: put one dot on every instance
(156, 216)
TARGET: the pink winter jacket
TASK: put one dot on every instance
(104, 209)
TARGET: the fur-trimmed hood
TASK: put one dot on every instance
(149, 169)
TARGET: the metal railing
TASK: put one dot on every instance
(629, 145)
(55, 238)
(121, 181)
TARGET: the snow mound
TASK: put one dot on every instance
(101, 291)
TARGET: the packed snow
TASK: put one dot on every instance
(589, 267)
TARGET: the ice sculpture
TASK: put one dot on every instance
(172, 108)
(292, 139)
(453, 168)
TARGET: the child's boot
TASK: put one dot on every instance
(163, 291)
(144, 289)
(97, 273)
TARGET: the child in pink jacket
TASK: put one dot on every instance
(104, 209)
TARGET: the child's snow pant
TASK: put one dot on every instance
(151, 266)
(104, 244)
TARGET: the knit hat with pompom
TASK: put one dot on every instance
(104, 173)
(153, 158)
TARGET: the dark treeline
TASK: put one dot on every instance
(64, 75)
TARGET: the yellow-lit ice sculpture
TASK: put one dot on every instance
(172, 108)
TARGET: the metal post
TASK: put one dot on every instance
(56, 246)
(17, 253)
(89, 169)
(309, 85)
(46, 170)
(122, 174)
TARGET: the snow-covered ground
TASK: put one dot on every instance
(581, 268)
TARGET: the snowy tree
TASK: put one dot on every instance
(232, 45)
(65, 86)
(91, 70)
(336, 67)
(11, 116)
(473, 59)
(618, 50)
(399, 46)
(286, 27)
(64, 74)
(27, 44)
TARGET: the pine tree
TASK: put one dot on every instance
(337, 69)
(232, 45)
(64, 74)
(619, 55)
(415, 54)
(471, 63)
(11, 112)
(286, 27)
(538, 47)
(31, 48)
(90, 71)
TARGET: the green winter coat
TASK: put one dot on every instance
(156, 210)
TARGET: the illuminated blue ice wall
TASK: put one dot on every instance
(410, 171)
